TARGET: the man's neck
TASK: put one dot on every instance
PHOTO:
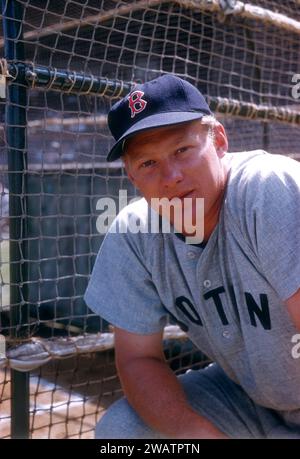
(211, 220)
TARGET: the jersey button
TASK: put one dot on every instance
(191, 255)
(207, 283)
(226, 334)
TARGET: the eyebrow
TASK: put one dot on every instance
(139, 156)
(177, 139)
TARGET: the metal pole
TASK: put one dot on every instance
(266, 136)
(15, 120)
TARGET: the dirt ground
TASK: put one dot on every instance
(67, 396)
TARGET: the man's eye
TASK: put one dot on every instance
(147, 163)
(182, 150)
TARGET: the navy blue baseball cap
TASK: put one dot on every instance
(164, 101)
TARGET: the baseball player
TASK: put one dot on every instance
(236, 292)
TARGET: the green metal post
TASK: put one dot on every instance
(16, 121)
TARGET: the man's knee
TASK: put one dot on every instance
(121, 421)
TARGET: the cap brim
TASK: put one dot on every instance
(151, 122)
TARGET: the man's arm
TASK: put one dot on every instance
(293, 305)
(154, 391)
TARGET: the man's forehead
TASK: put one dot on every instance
(172, 134)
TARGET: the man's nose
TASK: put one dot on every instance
(171, 174)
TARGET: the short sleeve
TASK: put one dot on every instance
(121, 290)
(273, 217)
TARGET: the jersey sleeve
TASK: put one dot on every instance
(121, 290)
(273, 222)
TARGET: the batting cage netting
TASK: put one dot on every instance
(63, 65)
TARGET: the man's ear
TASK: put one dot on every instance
(220, 138)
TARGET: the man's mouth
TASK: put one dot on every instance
(185, 194)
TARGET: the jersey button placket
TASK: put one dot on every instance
(226, 333)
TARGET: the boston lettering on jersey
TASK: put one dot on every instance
(259, 314)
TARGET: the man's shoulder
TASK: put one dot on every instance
(137, 211)
(258, 179)
(137, 224)
(259, 168)
(260, 162)
(137, 206)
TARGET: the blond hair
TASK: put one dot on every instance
(211, 122)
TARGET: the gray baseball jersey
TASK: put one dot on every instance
(228, 294)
